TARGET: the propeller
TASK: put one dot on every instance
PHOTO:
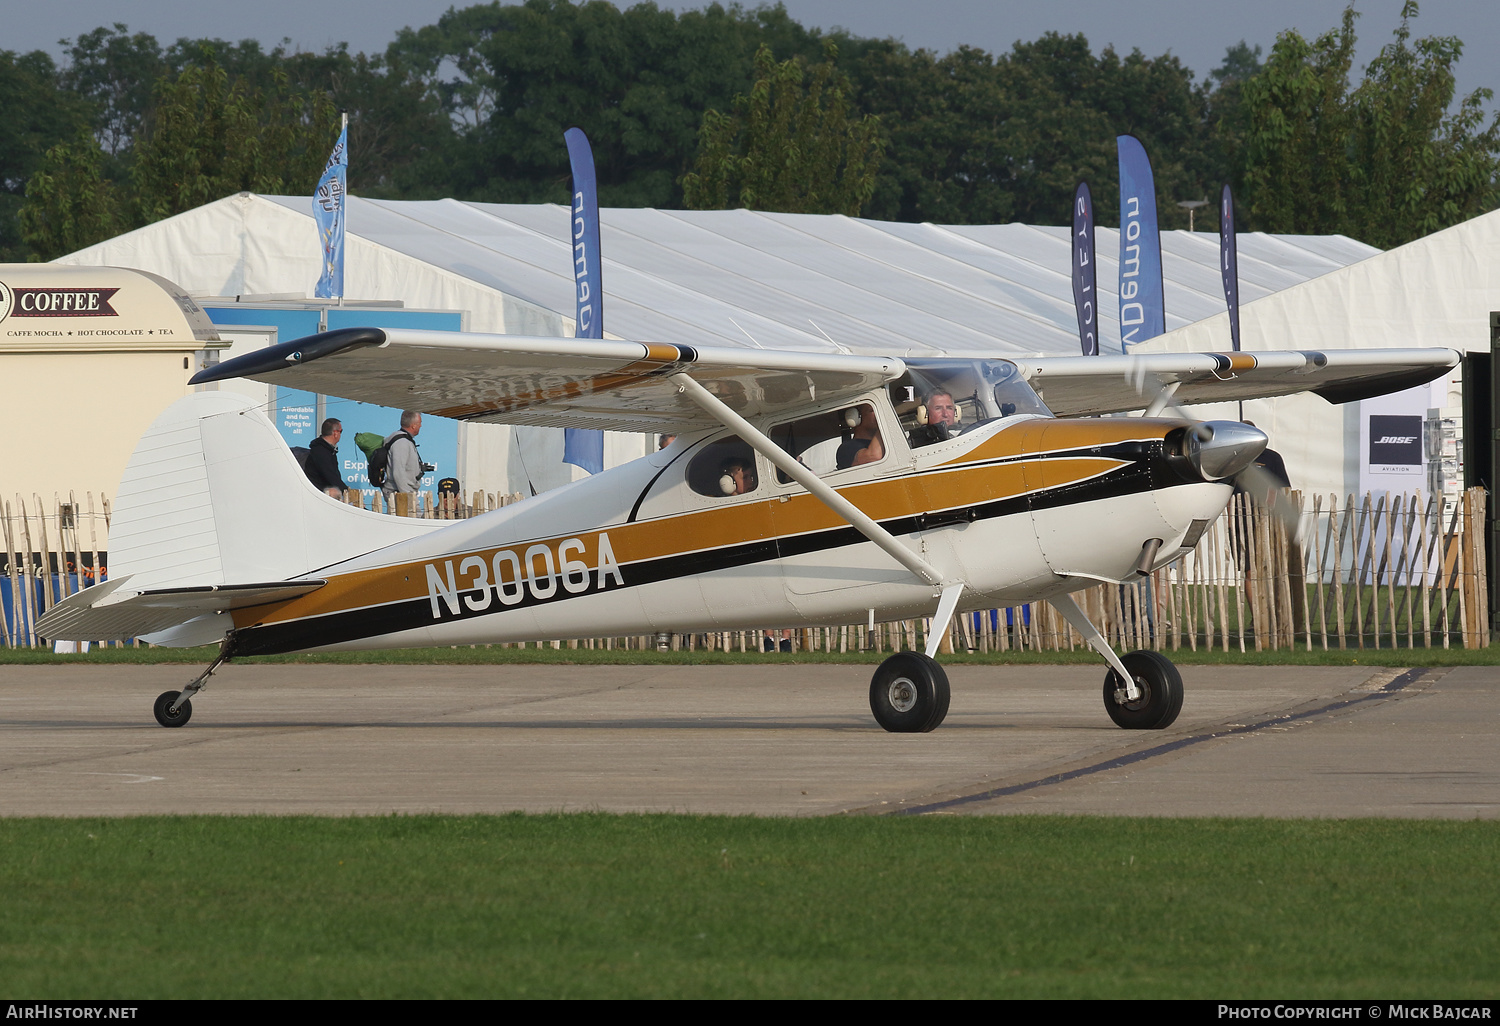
(1226, 450)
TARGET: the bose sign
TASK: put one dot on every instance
(1395, 441)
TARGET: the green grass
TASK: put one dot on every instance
(566, 656)
(676, 906)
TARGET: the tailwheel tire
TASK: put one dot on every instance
(1161, 692)
(909, 693)
(163, 706)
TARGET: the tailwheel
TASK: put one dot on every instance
(1161, 692)
(163, 709)
(909, 693)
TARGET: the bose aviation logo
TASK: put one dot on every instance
(1395, 441)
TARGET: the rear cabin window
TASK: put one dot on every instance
(725, 467)
(832, 441)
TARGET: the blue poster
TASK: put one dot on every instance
(1084, 271)
(1142, 304)
(582, 447)
(295, 412)
(438, 439)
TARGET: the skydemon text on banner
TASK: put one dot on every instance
(328, 212)
(1085, 294)
(583, 447)
(1142, 305)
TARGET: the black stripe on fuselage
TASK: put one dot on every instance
(1142, 475)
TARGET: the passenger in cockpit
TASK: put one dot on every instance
(865, 445)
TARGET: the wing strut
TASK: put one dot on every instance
(788, 464)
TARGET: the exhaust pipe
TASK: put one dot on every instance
(1148, 557)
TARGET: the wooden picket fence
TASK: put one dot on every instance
(1389, 571)
(51, 551)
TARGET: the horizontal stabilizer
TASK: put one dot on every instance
(112, 612)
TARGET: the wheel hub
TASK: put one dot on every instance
(903, 694)
(1123, 699)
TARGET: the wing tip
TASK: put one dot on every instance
(300, 350)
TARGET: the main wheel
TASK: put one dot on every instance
(163, 706)
(909, 693)
(1161, 692)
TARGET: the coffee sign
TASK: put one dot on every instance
(87, 302)
(56, 308)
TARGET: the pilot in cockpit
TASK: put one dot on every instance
(942, 420)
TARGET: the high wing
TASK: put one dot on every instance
(1078, 385)
(553, 382)
(624, 386)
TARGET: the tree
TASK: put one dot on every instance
(114, 71)
(69, 202)
(398, 134)
(1385, 163)
(209, 136)
(1418, 168)
(1297, 159)
(785, 147)
(636, 80)
(975, 138)
(38, 116)
(941, 122)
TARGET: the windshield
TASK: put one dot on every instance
(940, 399)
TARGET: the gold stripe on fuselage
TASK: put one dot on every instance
(964, 481)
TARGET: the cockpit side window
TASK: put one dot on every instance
(725, 467)
(939, 399)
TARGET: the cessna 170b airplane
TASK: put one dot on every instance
(801, 489)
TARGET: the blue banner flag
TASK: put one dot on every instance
(328, 212)
(1229, 265)
(1142, 305)
(583, 447)
(1084, 271)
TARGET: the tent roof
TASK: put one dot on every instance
(716, 277)
(787, 281)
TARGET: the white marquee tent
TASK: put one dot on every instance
(824, 282)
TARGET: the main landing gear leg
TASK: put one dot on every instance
(909, 692)
(1142, 691)
(175, 708)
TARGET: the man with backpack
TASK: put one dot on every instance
(403, 467)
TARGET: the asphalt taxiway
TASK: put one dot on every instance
(752, 740)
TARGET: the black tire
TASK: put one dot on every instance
(163, 704)
(909, 693)
(1161, 687)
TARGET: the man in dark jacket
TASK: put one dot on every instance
(323, 460)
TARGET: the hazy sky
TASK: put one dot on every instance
(1197, 31)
